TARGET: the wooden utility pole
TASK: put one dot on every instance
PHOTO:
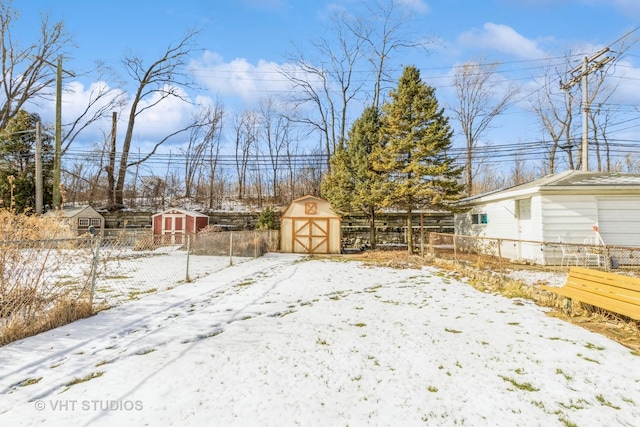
(111, 168)
(58, 137)
(38, 169)
(583, 71)
(57, 153)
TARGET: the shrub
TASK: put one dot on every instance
(267, 220)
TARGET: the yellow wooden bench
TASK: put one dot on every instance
(612, 292)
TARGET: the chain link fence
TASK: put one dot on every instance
(501, 255)
(47, 283)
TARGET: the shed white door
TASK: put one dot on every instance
(174, 228)
(311, 235)
(526, 250)
(619, 221)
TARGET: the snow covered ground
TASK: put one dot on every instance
(287, 340)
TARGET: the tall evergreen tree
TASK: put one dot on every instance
(416, 134)
(17, 148)
(353, 185)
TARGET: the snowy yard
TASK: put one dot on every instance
(288, 340)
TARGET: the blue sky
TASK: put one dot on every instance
(243, 41)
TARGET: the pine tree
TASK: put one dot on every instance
(337, 186)
(17, 147)
(353, 185)
(417, 136)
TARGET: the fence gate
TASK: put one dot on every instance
(311, 235)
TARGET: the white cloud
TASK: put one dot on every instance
(239, 78)
(502, 38)
(419, 6)
(164, 118)
(153, 124)
(627, 7)
(76, 97)
(625, 75)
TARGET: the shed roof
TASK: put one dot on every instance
(571, 181)
(182, 211)
(73, 211)
(328, 211)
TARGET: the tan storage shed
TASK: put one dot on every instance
(309, 225)
(80, 218)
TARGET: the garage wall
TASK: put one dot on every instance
(569, 217)
(618, 219)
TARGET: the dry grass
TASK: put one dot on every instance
(62, 313)
(20, 226)
(38, 292)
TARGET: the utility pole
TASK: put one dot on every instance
(111, 168)
(57, 161)
(57, 154)
(582, 75)
(38, 168)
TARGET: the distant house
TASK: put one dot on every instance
(564, 206)
(309, 225)
(173, 224)
(81, 218)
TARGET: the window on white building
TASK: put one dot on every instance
(479, 218)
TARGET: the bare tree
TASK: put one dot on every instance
(27, 71)
(600, 133)
(520, 173)
(163, 79)
(153, 191)
(291, 152)
(309, 175)
(478, 105)
(214, 149)
(556, 107)
(631, 164)
(383, 33)
(96, 190)
(317, 82)
(246, 134)
(103, 101)
(193, 153)
(489, 178)
(276, 129)
(204, 133)
(555, 110)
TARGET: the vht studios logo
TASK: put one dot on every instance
(89, 405)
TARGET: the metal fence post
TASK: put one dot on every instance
(455, 249)
(95, 241)
(231, 248)
(186, 279)
(500, 256)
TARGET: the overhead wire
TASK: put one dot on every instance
(497, 153)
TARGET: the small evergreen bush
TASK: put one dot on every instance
(267, 220)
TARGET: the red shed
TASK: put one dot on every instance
(174, 223)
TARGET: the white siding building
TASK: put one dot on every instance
(564, 206)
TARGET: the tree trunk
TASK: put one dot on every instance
(410, 231)
(372, 227)
(118, 196)
(111, 168)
